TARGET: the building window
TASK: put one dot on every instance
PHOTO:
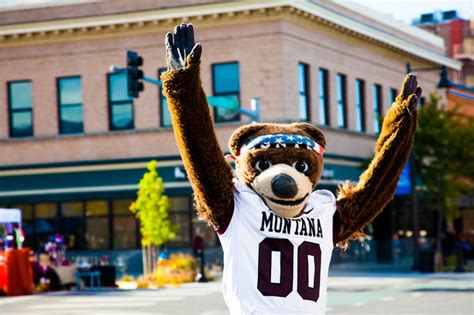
(70, 105)
(226, 83)
(377, 91)
(20, 109)
(360, 104)
(120, 104)
(341, 101)
(393, 95)
(124, 225)
(165, 116)
(303, 101)
(73, 224)
(97, 224)
(180, 210)
(323, 97)
(46, 221)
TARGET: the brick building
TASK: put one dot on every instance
(458, 34)
(73, 145)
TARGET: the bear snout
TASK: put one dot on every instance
(284, 186)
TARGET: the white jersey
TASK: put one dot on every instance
(274, 265)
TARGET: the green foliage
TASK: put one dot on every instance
(151, 208)
(444, 154)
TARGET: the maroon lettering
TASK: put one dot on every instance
(285, 284)
(264, 285)
(305, 250)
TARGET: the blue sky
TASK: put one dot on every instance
(407, 10)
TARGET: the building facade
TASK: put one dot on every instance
(74, 145)
(458, 35)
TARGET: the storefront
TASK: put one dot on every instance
(88, 202)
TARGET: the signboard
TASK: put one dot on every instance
(10, 216)
(230, 102)
(404, 184)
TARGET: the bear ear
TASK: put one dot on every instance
(241, 134)
(312, 131)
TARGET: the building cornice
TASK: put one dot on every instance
(153, 20)
(389, 21)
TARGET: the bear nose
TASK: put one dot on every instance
(284, 186)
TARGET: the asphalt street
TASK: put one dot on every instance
(348, 294)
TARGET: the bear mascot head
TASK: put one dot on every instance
(282, 163)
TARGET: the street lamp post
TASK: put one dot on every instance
(443, 83)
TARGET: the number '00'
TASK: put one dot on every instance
(285, 247)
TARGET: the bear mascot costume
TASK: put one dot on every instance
(277, 232)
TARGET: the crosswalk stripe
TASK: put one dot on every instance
(96, 312)
(115, 299)
(16, 299)
(94, 305)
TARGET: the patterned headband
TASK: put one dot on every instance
(282, 141)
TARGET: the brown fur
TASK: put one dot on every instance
(359, 204)
(210, 175)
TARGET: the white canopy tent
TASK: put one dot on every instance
(11, 216)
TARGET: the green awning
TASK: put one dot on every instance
(118, 178)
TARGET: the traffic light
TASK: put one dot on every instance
(134, 73)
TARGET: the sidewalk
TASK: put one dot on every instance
(390, 271)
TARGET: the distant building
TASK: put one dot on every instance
(73, 145)
(458, 35)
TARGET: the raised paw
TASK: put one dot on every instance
(179, 45)
(411, 91)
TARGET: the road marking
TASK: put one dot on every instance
(387, 298)
(115, 299)
(416, 294)
(189, 293)
(16, 299)
(94, 312)
(89, 305)
(361, 303)
(216, 312)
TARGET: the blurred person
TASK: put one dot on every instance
(49, 278)
(396, 246)
(197, 244)
(462, 252)
(448, 245)
(36, 268)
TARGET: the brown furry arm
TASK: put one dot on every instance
(358, 205)
(210, 175)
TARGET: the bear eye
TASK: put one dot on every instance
(262, 165)
(301, 166)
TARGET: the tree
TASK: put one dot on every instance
(151, 209)
(444, 157)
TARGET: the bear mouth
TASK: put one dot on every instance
(288, 202)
